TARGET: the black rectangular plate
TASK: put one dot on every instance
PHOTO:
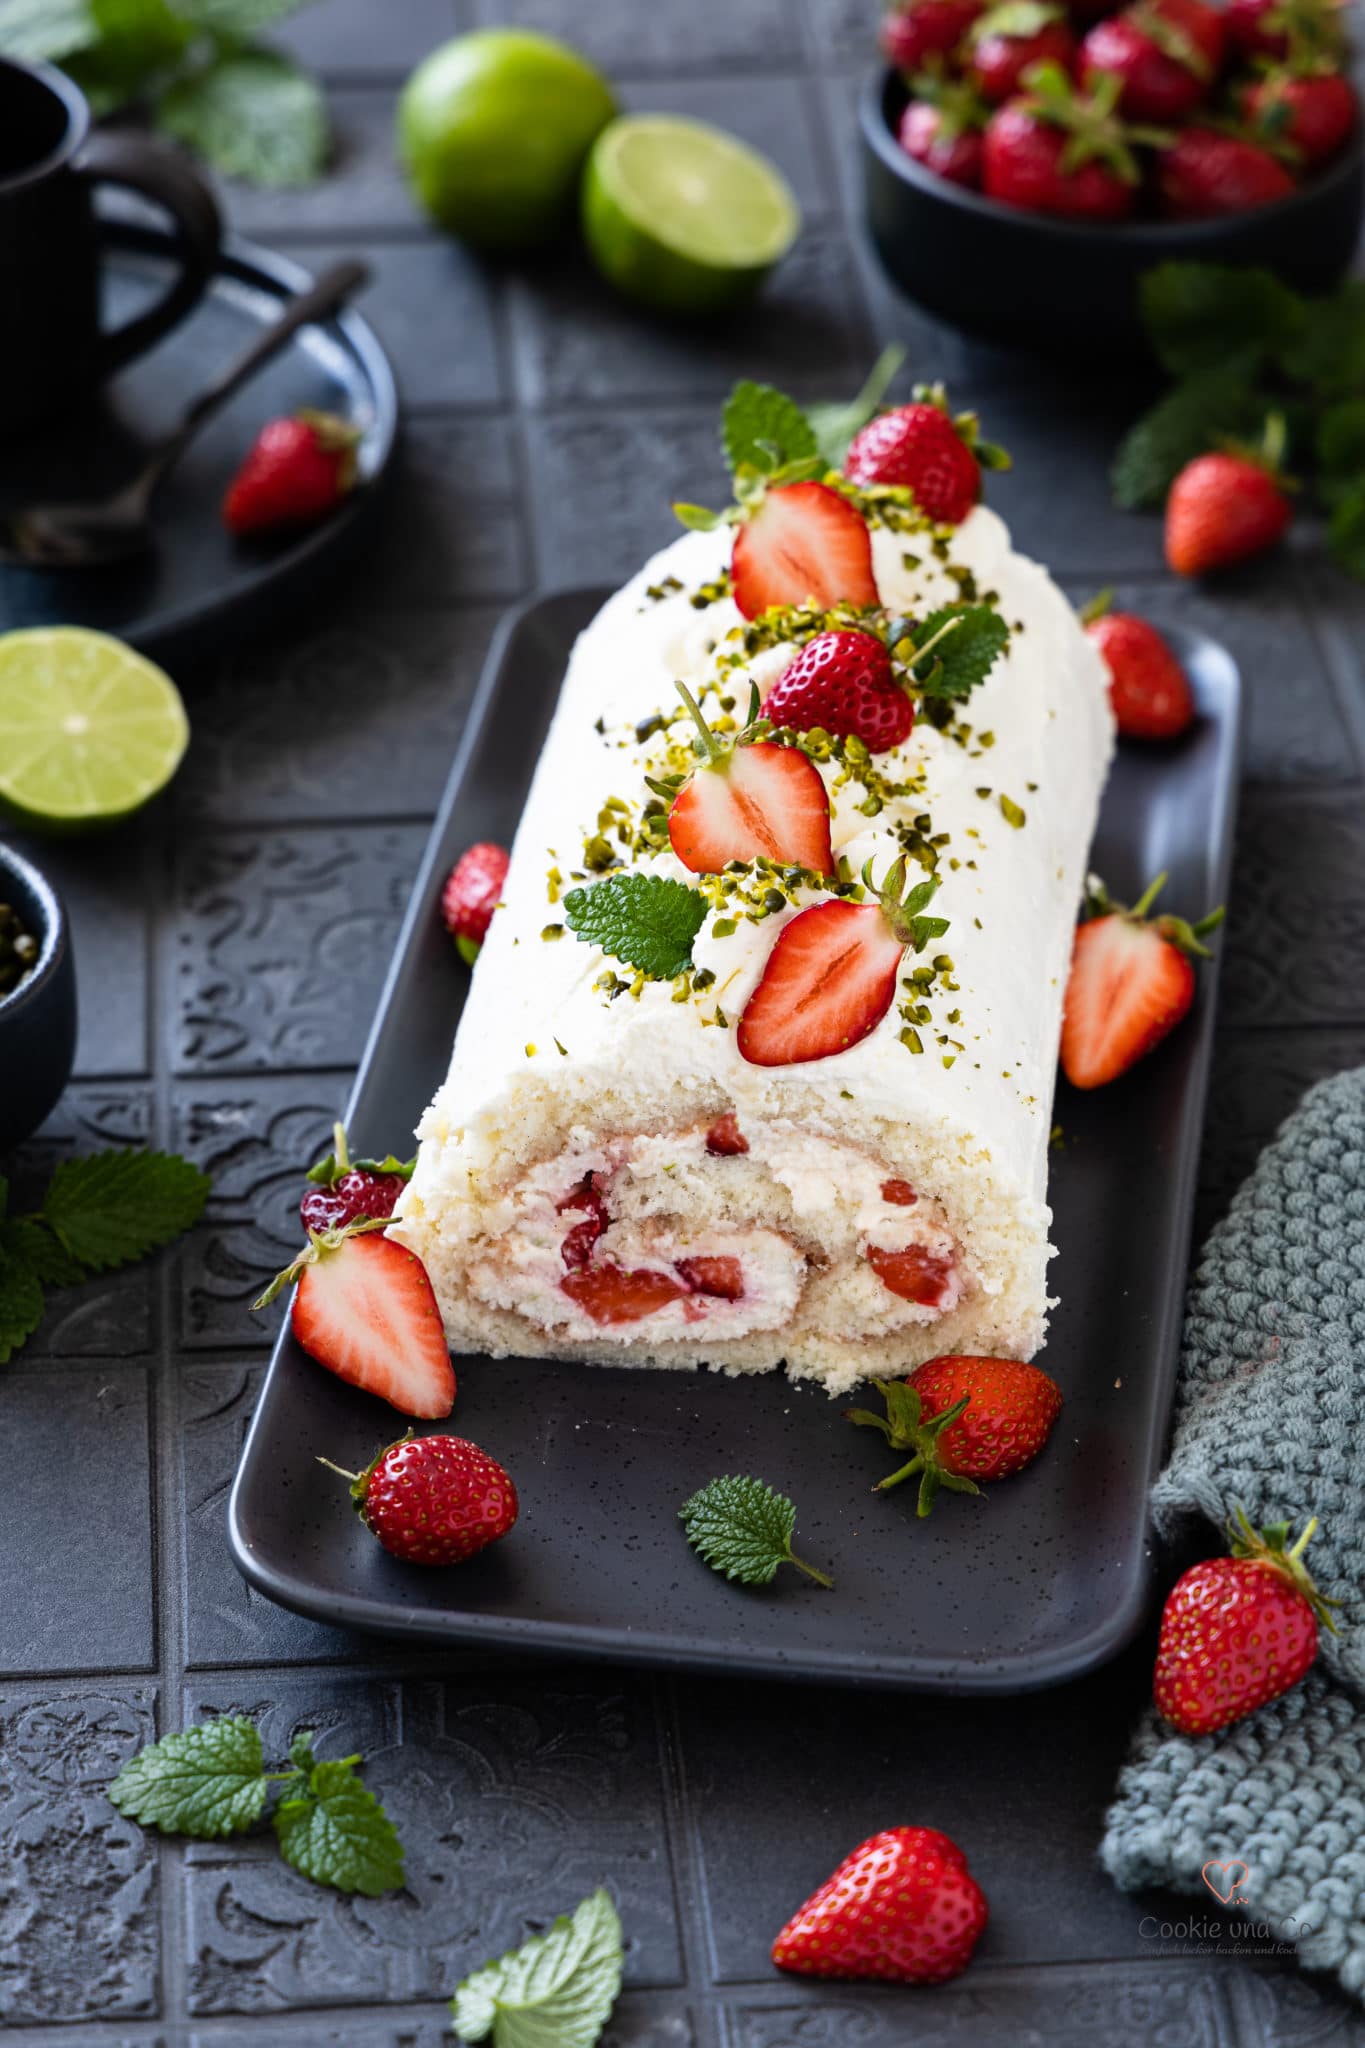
(1031, 1584)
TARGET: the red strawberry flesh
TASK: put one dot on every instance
(619, 1294)
(472, 891)
(717, 1275)
(898, 1192)
(914, 1273)
(1128, 988)
(829, 980)
(761, 800)
(803, 545)
(365, 1309)
(724, 1138)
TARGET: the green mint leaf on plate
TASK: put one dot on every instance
(44, 31)
(1185, 423)
(834, 425)
(115, 1206)
(207, 1782)
(21, 1297)
(254, 114)
(961, 644)
(744, 1529)
(1346, 533)
(647, 921)
(555, 1991)
(1201, 316)
(764, 430)
(332, 1829)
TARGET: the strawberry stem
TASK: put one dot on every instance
(340, 1470)
(343, 1157)
(1149, 895)
(1099, 604)
(714, 751)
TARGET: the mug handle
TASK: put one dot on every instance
(163, 176)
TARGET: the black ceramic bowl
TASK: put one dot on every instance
(1065, 286)
(38, 1018)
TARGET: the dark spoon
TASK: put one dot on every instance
(112, 529)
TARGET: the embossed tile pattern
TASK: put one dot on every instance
(230, 944)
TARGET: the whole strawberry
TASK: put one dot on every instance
(902, 1908)
(925, 450)
(295, 471)
(1055, 150)
(1148, 689)
(1131, 982)
(1225, 507)
(843, 683)
(924, 29)
(433, 1499)
(1205, 174)
(964, 1419)
(472, 893)
(1311, 32)
(1238, 1631)
(941, 129)
(1313, 115)
(1011, 38)
(1167, 54)
(343, 1190)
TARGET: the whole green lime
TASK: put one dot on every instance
(493, 129)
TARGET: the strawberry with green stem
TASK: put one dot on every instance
(941, 128)
(1167, 53)
(1014, 36)
(433, 1500)
(832, 973)
(746, 799)
(963, 1419)
(1305, 117)
(1056, 150)
(342, 1189)
(1229, 505)
(925, 448)
(1238, 1631)
(1131, 982)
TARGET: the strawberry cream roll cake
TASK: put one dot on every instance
(757, 1064)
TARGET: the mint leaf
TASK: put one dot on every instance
(336, 1832)
(762, 429)
(28, 1239)
(254, 115)
(647, 921)
(1187, 422)
(44, 31)
(834, 425)
(965, 656)
(1346, 532)
(115, 1206)
(21, 1298)
(134, 41)
(1341, 441)
(1202, 316)
(207, 1782)
(1329, 353)
(555, 1991)
(744, 1529)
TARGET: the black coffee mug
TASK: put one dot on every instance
(53, 351)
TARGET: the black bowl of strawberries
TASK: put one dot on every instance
(1027, 162)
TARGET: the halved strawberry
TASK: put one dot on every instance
(803, 544)
(831, 975)
(746, 799)
(621, 1294)
(915, 1274)
(365, 1309)
(1131, 983)
(716, 1274)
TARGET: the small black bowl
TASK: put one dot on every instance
(38, 1018)
(1069, 287)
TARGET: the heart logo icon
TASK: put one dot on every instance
(1234, 1874)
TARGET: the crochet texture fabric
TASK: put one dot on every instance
(1271, 1413)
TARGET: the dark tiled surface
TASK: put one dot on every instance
(231, 944)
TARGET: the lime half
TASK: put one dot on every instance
(682, 216)
(89, 731)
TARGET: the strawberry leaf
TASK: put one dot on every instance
(555, 1991)
(207, 1782)
(647, 921)
(764, 430)
(744, 1529)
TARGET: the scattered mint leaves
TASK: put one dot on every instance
(332, 1828)
(555, 1991)
(646, 921)
(1205, 316)
(208, 1782)
(98, 1212)
(762, 429)
(744, 1529)
(113, 1207)
(1187, 422)
(973, 637)
(197, 65)
(211, 1782)
(258, 116)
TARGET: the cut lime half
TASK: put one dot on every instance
(681, 216)
(89, 731)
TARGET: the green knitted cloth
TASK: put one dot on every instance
(1271, 1413)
